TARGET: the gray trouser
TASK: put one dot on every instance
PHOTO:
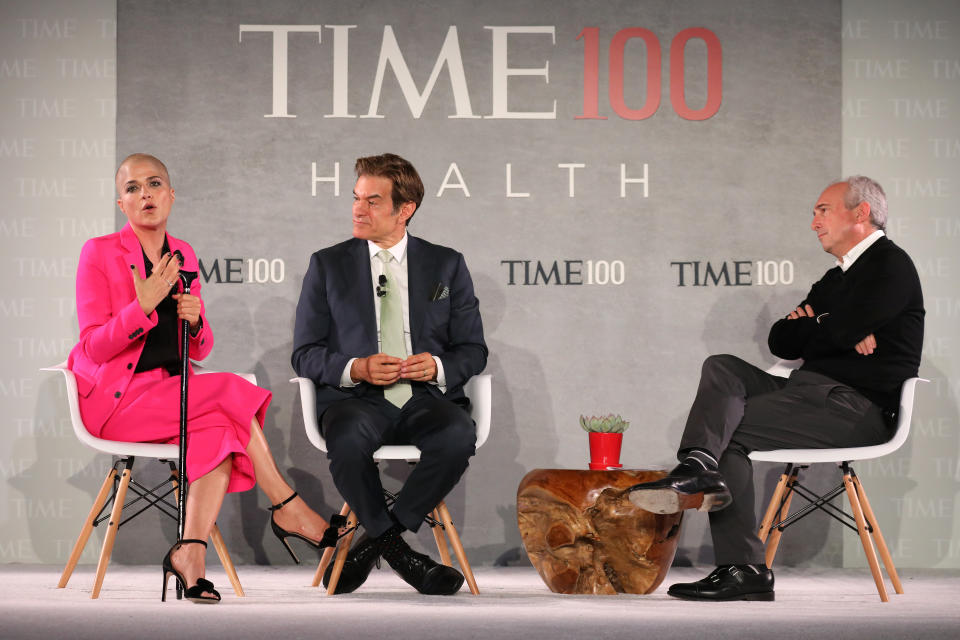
(740, 408)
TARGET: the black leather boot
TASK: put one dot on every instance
(416, 569)
(360, 561)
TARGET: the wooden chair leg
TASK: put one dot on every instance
(878, 536)
(772, 507)
(342, 551)
(87, 529)
(226, 561)
(441, 541)
(108, 540)
(454, 537)
(773, 541)
(322, 566)
(327, 554)
(864, 535)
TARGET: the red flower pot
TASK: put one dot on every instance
(605, 450)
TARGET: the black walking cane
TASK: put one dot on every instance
(186, 277)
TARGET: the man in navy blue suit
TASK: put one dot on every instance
(388, 328)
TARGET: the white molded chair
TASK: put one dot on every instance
(479, 390)
(119, 480)
(777, 516)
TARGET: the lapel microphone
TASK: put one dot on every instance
(382, 287)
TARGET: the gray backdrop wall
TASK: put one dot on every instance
(501, 156)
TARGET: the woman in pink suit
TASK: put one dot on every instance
(127, 369)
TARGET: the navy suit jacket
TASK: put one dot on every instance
(336, 319)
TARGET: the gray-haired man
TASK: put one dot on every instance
(860, 333)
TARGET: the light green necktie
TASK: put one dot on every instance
(391, 331)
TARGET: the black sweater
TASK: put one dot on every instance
(879, 294)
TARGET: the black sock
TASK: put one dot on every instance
(753, 568)
(701, 458)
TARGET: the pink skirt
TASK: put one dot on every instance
(221, 407)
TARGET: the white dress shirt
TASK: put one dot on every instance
(851, 256)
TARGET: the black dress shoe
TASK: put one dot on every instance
(357, 568)
(420, 571)
(729, 582)
(687, 486)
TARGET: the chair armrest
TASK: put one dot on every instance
(783, 368)
(199, 370)
(479, 390)
(308, 404)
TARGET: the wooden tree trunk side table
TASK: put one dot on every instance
(583, 535)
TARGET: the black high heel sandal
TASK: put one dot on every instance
(329, 539)
(195, 593)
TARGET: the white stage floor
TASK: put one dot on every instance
(513, 603)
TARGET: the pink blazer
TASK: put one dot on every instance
(113, 327)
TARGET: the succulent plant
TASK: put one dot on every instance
(604, 424)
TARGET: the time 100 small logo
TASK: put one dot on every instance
(565, 272)
(732, 273)
(243, 270)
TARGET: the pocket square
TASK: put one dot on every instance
(440, 291)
